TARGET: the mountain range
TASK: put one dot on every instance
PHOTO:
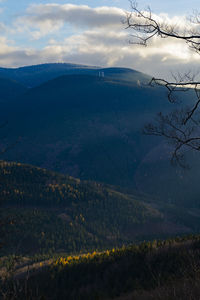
(80, 183)
(89, 126)
(35, 75)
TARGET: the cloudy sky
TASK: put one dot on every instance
(89, 32)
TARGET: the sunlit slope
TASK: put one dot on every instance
(158, 270)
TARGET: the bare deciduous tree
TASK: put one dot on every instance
(181, 126)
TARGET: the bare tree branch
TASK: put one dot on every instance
(180, 127)
(146, 26)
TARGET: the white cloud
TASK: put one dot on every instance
(78, 15)
(45, 19)
(99, 39)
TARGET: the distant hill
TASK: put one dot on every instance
(91, 127)
(73, 119)
(32, 76)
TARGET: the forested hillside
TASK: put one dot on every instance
(47, 212)
(120, 188)
(158, 270)
(9, 91)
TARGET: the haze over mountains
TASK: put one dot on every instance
(32, 76)
(88, 124)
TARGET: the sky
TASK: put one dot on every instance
(91, 32)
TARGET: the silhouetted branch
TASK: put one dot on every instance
(181, 127)
(146, 26)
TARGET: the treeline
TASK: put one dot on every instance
(135, 269)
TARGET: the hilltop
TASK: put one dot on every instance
(35, 75)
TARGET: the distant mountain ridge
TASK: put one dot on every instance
(84, 118)
(35, 75)
(73, 119)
